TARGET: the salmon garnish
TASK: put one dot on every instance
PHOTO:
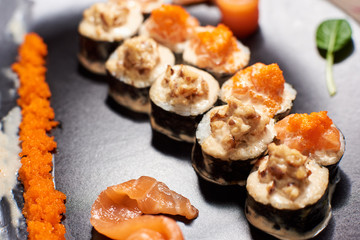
(214, 44)
(172, 23)
(144, 227)
(264, 84)
(309, 132)
(130, 200)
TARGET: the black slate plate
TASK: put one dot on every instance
(101, 144)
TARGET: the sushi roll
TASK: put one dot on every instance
(171, 26)
(133, 67)
(262, 86)
(147, 6)
(179, 98)
(315, 136)
(216, 50)
(103, 27)
(229, 140)
(188, 2)
(288, 195)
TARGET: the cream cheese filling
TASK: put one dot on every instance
(251, 145)
(318, 182)
(159, 94)
(166, 57)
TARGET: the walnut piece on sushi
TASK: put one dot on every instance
(179, 98)
(288, 195)
(103, 27)
(133, 67)
(229, 140)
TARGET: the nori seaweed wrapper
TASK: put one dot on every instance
(129, 95)
(230, 172)
(95, 52)
(174, 124)
(306, 222)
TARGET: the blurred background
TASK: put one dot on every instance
(352, 7)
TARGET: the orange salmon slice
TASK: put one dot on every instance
(124, 204)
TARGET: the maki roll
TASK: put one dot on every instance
(179, 98)
(216, 50)
(171, 26)
(103, 27)
(315, 136)
(262, 86)
(229, 140)
(133, 67)
(147, 6)
(288, 195)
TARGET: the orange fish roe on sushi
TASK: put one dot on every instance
(216, 50)
(262, 86)
(309, 133)
(315, 136)
(170, 25)
(43, 205)
(217, 43)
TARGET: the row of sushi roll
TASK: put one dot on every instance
(193, 83)
(106, 25)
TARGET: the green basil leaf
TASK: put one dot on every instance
(332, 35)
(339, 29)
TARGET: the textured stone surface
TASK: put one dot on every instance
(101, 144)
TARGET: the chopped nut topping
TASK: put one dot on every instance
(185, 87)
(140, 54)
(107, 15)
(235, 122)
(286, 168)
(136, 58)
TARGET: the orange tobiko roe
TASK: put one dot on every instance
(173, 22)
(308, 132)
(43, 205)
(216, 42)
(263, 83)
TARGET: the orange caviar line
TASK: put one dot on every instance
(43, 205)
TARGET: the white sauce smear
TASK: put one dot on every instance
(10, 160)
